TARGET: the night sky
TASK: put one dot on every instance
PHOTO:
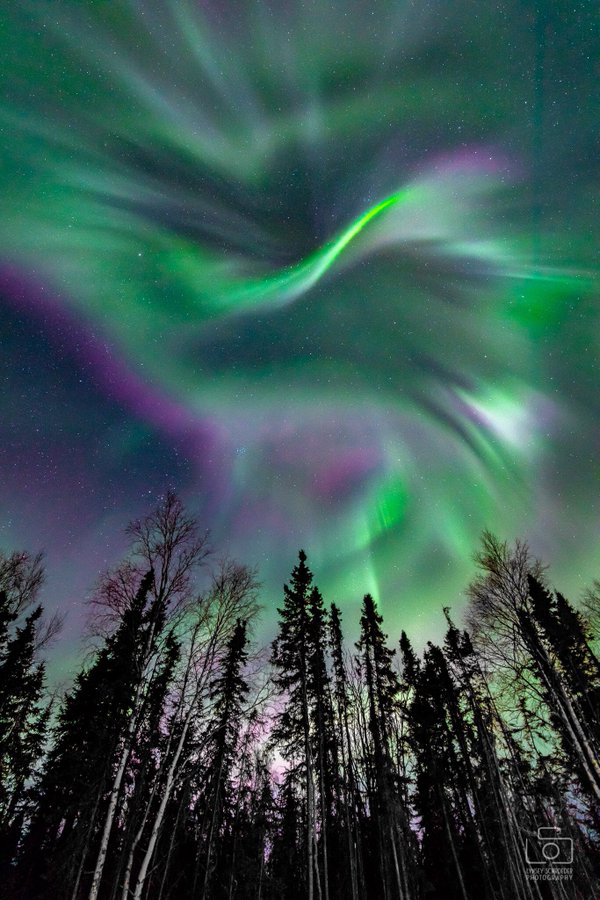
(326, 269)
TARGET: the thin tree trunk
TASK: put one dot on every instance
(454, 854)
(323, 805)
(310, 800)
(114, 795)
(347, 792)
(260, 873)
(577, 736)
(140, 831)
(85, 849)
(395, 859)
(137, 838)
(310, 829)
(232, 875)
(167, 865)
(166, 796)
(116, 788)
(384, 826)
(211, 830)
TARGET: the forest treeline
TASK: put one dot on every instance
(186, 762)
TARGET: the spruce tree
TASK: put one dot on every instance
(229, 690)
(23, 723)
(560, 658)
(350, 876)
(72, 792)
(389, 817)
(292, 729)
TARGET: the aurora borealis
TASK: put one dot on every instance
(325, 268)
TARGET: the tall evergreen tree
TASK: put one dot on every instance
(24, 712)
(291, 659)
(23, 722)
(382, 689)
(554, 637)
(93, 718)
(229, 690)
(163, 780)
(350, 876)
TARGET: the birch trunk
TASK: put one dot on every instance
(118, 780)
(172, 769)
(160, 814)
(139, 834)
(581, 745)
(453, 849)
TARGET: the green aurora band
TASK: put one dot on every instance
(340, 260)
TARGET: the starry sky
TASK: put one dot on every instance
(325, 268)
